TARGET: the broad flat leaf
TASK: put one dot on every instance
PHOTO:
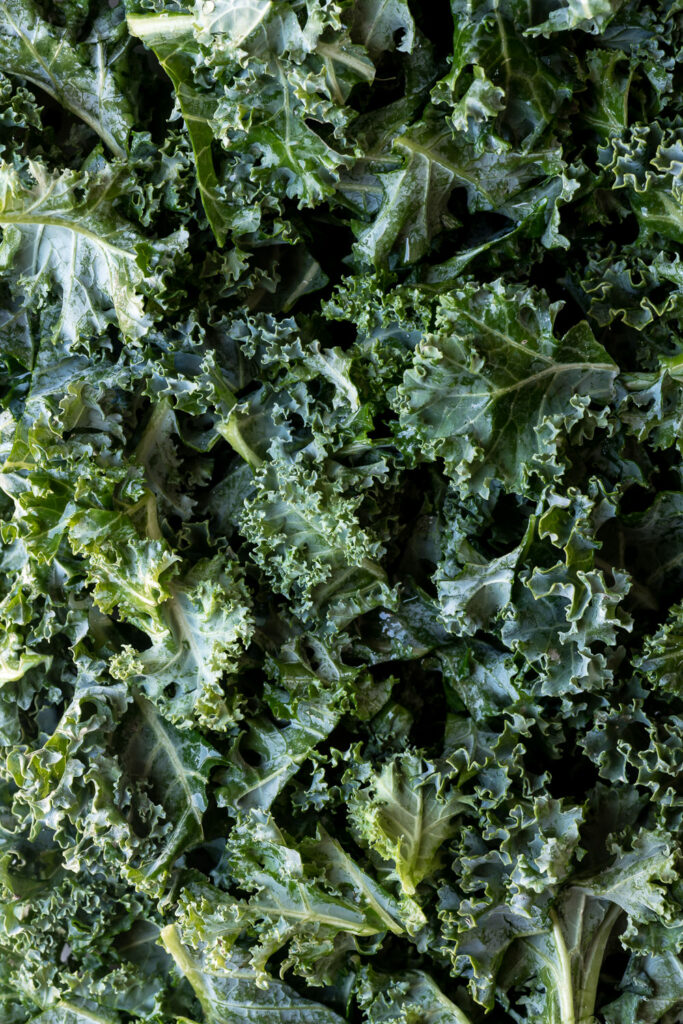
(407, 997)
(406, 813)
(432, 164)
(488, 391)
(588, 15)
(203, 627)
(170, 36)
(81, 77)
(66, 236)
(381, 25)
(236, 993)
(174, 767)
(342, 870)
(262, 27)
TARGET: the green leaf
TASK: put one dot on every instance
(653, 991)
(637, 880)
(589, 15)
(127, 572)
(492, 39)
(200, 631)
(565, 962)
(67, 237)
(410, 996)
(431, 164)
(283, 108)
(236, 993)
(646, 162)
(170, 36)
(174, 766)
(662, 657)
(82, 78)
(307, 539)
(313, 902)
(377, 24)
(68, 1012)
(610, 80)
(312, 689)
(488, 391)
(406, 813)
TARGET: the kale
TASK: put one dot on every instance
(341, 505)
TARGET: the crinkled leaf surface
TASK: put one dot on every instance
(82, 78)
(489, 389)
(341, 565)
(64, 234)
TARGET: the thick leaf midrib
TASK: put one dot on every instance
(433, 157)
(57, 93)
(166, 744)
(177, 613)
(80, 1011)
(354, 872)
(554, 370)
(309, 913)
(286, 109)
(58, 222)
(164, 25)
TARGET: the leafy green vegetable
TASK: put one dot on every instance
(341, 558)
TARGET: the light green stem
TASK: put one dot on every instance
(589, 988)
(231, 432)
(170, 936)
(565, 991)
(159, 27)
(83, 1014)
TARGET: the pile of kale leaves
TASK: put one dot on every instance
(341, 511)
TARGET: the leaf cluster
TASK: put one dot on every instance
(341, 556)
